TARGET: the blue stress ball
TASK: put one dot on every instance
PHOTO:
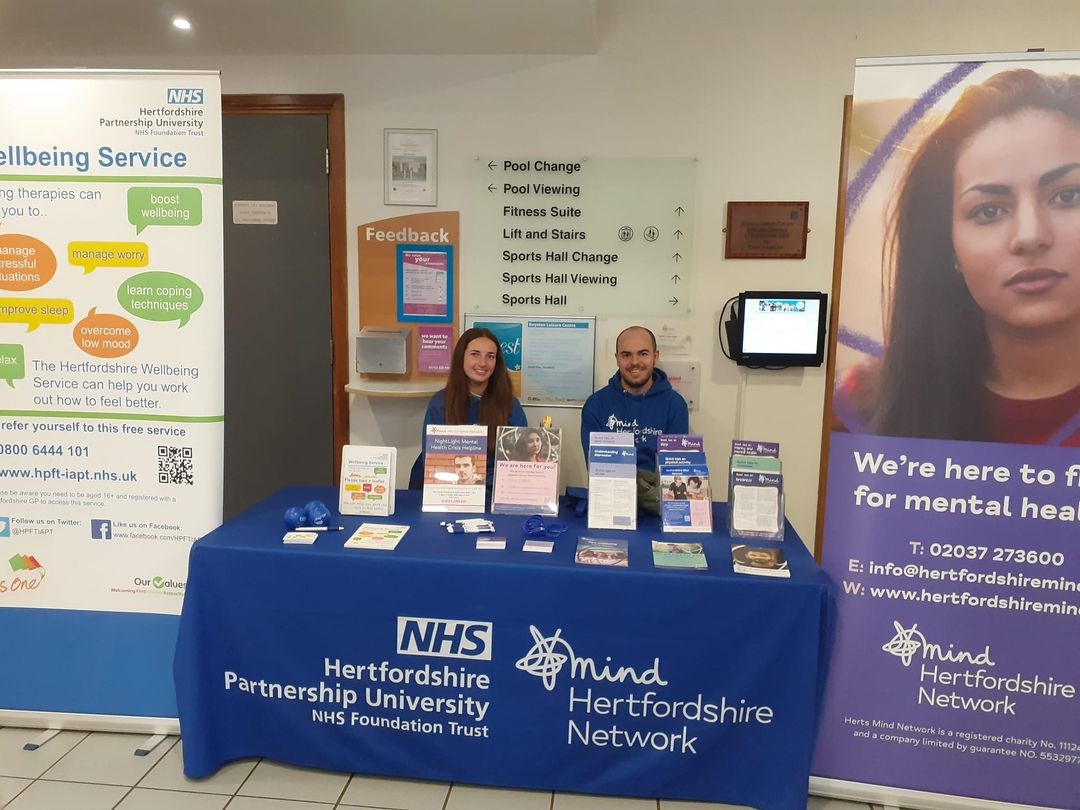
(317, 513)
(295, 518)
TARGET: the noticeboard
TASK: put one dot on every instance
(550, 359)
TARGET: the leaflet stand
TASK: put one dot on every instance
(755, 485)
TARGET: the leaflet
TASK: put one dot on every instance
(746, 447)
(527, 471)
(756, 464)
(367, 480)
(685, 500)
(593, 551)
(612, 483)
(756, 507)
(679, 555)
(380, 536)
(762, 562)
(679, 443)
(455, 466)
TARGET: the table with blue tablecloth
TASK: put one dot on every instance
(440, 661)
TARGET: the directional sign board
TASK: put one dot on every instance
(599, 236)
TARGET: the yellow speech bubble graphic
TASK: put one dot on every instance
(36, 311)
(92, 255)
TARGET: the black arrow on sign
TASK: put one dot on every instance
(492, 187)
(679, 210)
(492, 164)
(676, 278)
(673, 300)
(676, 257)
(678, 234)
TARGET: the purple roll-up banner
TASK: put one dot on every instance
(952, 505)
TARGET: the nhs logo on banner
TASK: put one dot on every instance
(444, 638)
(184, 95)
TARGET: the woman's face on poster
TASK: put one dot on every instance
(1016, 219)
(534, 444)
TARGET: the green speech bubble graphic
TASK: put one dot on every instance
(160, 296)
(164, 206)
(12, 363)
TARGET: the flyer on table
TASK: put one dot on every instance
(111, 322)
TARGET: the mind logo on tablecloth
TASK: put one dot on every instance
(545, 662)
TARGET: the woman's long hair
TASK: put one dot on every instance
(497, 402)
(937, 357)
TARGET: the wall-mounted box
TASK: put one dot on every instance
(382, 351)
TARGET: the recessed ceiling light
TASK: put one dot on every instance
(182, 23)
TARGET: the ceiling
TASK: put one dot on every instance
(40, 32)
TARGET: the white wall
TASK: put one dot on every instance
(753, 88)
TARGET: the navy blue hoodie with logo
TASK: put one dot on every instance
(661, 409)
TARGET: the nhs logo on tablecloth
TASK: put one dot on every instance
(444, 638)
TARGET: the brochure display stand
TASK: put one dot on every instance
(612, 481)
(755, 491)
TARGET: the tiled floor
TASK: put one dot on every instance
(98, 771)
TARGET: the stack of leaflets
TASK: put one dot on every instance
(762, 562)
(377, 536)
(755, 491)
(592, 551)
(679, 555)
(612, 481)
(685, 494)
(367, 480)
(526, 471)
(455, 465)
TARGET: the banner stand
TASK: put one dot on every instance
(950, 497)
(111, 385)
(890, 798)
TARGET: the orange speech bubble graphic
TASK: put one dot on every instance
(26, 263)
(105, 335)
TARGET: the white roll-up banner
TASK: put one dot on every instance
(111, 389)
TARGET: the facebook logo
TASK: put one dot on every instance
(5, 527)
(101, 530)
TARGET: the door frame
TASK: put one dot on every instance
(332, 106)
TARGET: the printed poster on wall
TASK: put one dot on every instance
(550, 360)
(953, 491)
(111, 325)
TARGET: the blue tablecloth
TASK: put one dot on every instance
(439, 661)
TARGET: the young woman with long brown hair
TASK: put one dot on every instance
(478, 392)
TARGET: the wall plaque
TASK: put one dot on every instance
(766, 230)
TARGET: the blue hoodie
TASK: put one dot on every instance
(661, 409)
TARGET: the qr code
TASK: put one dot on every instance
(175, 465)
